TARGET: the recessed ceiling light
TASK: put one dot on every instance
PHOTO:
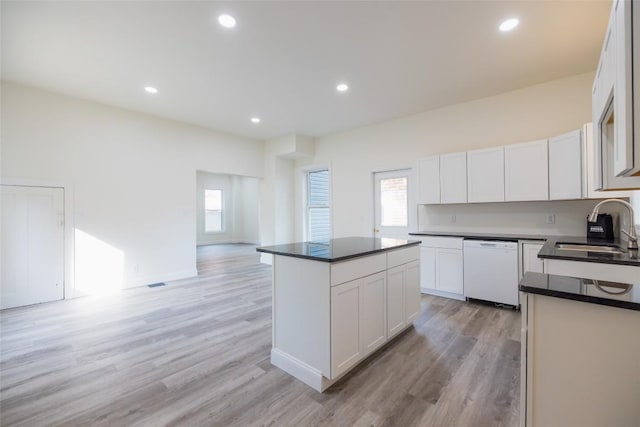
(509, 24)
(255, 120)
(227, 21)
(150, 89)
(342, 87)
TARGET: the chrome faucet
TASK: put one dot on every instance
(632, 243)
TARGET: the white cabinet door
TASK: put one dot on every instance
(449, 270)
(346, 345)
(396, 320)
(565, 166)
(485, 175)
(593, 168)
(427, 268)
(429, 180)
(412, 291)
(374, 312)
(453, 178)
(526, 171)
(530, 260)
(623, 159)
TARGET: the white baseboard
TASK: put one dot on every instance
(305, 373)
(442, 294)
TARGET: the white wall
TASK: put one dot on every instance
(531, 113)
(241, 208)
(515, 217)
(131, 177)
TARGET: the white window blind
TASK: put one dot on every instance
(394, 206)
(213, 211)
(318, 210)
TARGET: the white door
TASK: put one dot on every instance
(32, 245)
(393, 204)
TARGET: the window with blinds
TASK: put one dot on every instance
(318, 210)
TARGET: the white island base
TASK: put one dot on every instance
(329, 316)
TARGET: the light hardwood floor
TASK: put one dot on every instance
(196, 352)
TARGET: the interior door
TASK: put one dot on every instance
(32, 245)
(393, 199)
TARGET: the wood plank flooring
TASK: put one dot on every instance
(196, 352)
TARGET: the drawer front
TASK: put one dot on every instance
(360, 267)
(442, 242)
(402, 256)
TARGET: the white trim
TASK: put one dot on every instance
(438, 293)
(301, 371)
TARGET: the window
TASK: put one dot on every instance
(318, 210)
(393, 197)
(213, 212)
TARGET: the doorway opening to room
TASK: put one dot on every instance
(227, 212)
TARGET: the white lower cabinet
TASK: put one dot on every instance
(530, 260)
(412, 288)
(403, 283)
(396, 278)
(346, 325)
(374, 315)
(358, 320)
(441, 264)
(449, 270)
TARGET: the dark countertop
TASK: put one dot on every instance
(550, 251)
(481, 236)
(338, 249)
(621, 295)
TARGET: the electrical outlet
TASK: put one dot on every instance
(551, 219)
(136, 268)
(453, 218)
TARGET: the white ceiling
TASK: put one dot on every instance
(284, 59)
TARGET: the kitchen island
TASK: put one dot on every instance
(580, 351)
(335, 303)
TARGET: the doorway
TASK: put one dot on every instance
(393, 217)
(32, 245)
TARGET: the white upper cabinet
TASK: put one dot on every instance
(429, 180)
(623, 88)
(526, 171)
(615, 100)
(485, 175)
(453, 178)
(565, 167)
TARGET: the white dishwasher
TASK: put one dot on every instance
(491, 271)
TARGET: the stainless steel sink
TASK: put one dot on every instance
(589, 248)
